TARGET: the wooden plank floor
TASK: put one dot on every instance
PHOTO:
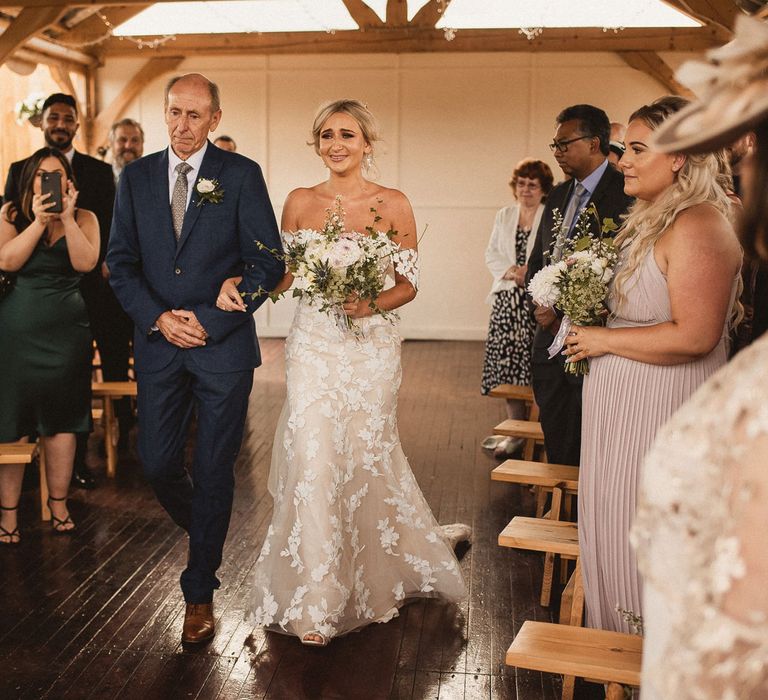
(99, 615)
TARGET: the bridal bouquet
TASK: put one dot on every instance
(577, 284)
(333, 265)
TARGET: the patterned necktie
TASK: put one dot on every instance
(179, 199)
(570, 214)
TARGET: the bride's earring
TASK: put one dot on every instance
(368, 161)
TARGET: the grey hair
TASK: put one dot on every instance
(125, 122)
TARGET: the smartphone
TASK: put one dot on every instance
(51, 184)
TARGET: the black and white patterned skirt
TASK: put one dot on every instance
(510, 338)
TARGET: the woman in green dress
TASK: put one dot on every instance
(44, 334)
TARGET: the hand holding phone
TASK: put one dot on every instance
(50, 184)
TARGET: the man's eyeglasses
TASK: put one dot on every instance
(562, 146)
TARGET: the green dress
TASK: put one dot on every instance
(45, 349)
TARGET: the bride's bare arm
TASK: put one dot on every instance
(399, 217)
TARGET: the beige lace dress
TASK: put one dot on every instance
(700, 534)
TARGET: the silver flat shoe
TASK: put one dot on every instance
(492, 442)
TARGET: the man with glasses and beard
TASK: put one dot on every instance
(96, 187)
(581, 148)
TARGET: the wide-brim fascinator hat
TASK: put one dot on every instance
(732, 87)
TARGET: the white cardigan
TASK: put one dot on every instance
(500, 254)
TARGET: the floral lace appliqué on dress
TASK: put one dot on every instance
(700, 533)
(351, 536)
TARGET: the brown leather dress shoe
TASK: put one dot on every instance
(198, 623)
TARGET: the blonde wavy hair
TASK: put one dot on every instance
(699, 181)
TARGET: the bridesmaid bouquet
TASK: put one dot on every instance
(577, 284)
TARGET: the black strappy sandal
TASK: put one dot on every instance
(57, 524)
(10, 535)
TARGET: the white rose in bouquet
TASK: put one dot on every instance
(343, 253)
(544, 286)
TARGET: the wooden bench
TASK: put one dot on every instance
(541, 535)
(513, 392)
(520, 471)
(545, 477)
(550, 536)
(108, 392)
(528, 430)
(24, 453)
(606, 657)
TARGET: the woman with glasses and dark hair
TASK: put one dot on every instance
(510, 330)
(45, 344)
(671, 300)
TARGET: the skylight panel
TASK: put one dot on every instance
(496, 14)
(380, 8)
(235, 16)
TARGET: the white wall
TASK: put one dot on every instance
(454, 125)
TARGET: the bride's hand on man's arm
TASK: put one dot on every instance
(229, 298)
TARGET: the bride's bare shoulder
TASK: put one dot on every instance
(297, 204)
(391, 202)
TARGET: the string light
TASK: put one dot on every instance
(109, 33)
(531, 33)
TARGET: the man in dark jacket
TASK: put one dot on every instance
(581, 147)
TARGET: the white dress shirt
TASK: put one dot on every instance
(194, 161)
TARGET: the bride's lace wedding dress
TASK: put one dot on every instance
(352, 537)
(700, 535)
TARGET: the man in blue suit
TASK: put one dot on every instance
(186, 219)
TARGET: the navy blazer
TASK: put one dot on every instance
(151, 273)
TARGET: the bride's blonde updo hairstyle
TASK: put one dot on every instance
(360, 113)
(699, 181)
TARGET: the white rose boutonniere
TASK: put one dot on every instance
(208, 191)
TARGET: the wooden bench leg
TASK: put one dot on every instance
(569, 684)
(567, 515)
(577, 606)
(528, 450)
(45, 511)
(109, 437)
(614, 691)
(549, 557)
(576, 615)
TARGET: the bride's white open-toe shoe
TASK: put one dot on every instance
(456, 532)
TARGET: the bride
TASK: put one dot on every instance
(352, 537)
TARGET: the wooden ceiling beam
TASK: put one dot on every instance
(153, 68)
(653, 65)
(362, 14)
(397, 13)
(721, 13)
(26, 25)
(69, 4)
(429, 15)
(45, 59)
(51, 52)
(93, 28)
(418, 40)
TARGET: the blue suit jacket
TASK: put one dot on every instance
(152, 273)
